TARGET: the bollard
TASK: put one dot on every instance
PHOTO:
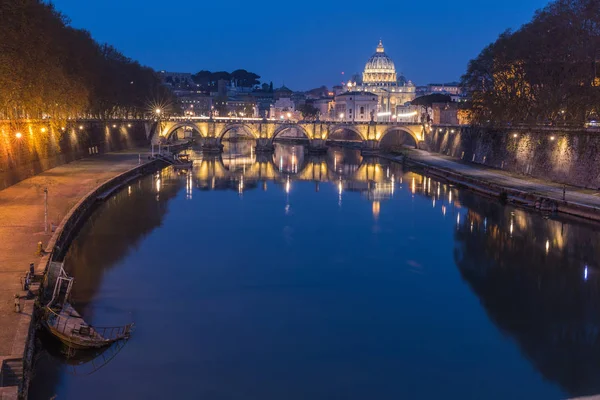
(17, 303)
(40, 250)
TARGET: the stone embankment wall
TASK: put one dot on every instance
(564, 155)
(28, 148)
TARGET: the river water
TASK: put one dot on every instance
(292, 276)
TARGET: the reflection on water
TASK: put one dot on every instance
(331, 276)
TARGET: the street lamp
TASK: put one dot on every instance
(18, 135)
(341, 116)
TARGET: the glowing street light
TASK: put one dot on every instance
(341, 115)
(18, 135)
(80, 127)
(158, 111)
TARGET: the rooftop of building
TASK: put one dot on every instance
(357, 93)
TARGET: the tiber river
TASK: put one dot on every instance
(334, 277)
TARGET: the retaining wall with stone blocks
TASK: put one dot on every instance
(29, 148)
(564, 155)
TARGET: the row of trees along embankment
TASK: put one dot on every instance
(50, 70)
(548, 71)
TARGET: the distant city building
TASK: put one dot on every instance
(283, 108)
(177, 79)
(445, 113)
(194, 104)
(263, 101)
(381, 79)
(283, 91)
(326, 107)
(452, 88)
(356, 106)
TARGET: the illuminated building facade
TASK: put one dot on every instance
(356, 106)
(381, 79)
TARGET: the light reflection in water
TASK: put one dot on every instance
(546, 302)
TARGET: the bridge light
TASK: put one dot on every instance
(552, 138)
(515, 135)
(18, 135)
(80, 127)
(43, 130)
(158, 111)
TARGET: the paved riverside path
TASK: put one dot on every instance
(506, 179)
(22, 227)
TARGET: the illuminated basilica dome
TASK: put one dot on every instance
(380, 69)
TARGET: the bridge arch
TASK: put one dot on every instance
(339, 127)
(169, 130)
(412, 132)
(285, 127)
(244, 127)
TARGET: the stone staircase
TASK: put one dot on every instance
(11, 372)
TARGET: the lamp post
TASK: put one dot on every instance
(158, 124)
(45, 210)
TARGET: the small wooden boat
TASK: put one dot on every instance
(70, 328)
(66, 324)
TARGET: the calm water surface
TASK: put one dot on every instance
(336, 277)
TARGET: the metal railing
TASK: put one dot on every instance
(108, 333)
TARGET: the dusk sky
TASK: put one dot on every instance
(303, 44)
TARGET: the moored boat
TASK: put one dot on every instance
(66, 324)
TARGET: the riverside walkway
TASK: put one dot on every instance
(586, 201)
(22, 227)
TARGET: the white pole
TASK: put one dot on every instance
(45, 210)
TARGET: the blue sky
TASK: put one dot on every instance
(303, 44)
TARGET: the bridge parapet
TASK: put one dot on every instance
(212, 131)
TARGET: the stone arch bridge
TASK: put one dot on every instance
(212, 131)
